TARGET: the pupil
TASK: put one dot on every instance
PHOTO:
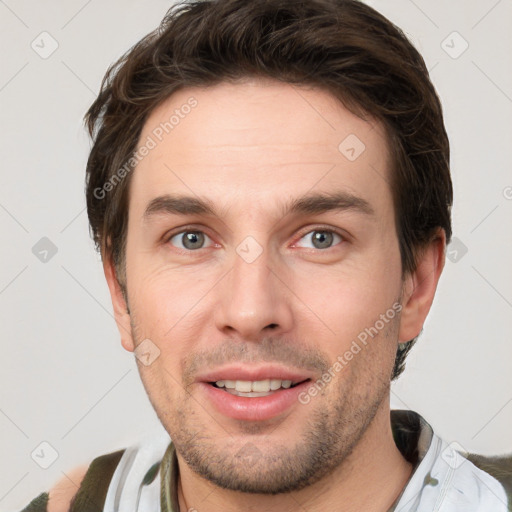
(323, 238)
(192, 238)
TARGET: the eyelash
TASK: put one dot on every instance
(193, 229)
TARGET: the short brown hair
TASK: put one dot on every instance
(343, 47)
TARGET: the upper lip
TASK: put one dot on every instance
(253, 373)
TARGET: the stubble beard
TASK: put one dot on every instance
(251, 462)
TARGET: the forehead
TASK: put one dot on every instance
(259, 140)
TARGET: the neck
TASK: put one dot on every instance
(370, 478)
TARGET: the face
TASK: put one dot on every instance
(262, 249)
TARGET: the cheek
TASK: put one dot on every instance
(172, 309)
(165, 295)
(345, 300)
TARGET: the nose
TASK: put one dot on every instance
(253, 300)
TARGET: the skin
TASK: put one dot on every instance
(60, 496)
(250, 148)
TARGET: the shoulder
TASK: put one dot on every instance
(476, 484)
(79, 488)
(61, 494)
(499, 467)
(118, 474)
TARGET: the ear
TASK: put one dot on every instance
(121, 314)
(420, 286)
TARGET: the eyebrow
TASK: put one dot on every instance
(310, 204)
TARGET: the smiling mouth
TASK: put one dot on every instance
(254, 389)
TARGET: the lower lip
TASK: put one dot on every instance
(253, 409)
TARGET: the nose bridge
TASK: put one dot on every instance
(253, 299)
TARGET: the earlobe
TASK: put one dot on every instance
(420, 287)
(121, 312)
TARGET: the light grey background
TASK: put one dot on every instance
(66, 380)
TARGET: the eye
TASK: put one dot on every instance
(188, 240)
(322, 238)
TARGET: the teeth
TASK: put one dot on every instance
(259, 386)
(243, 385)
(275, 384)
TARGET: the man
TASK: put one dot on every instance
(269, 188)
